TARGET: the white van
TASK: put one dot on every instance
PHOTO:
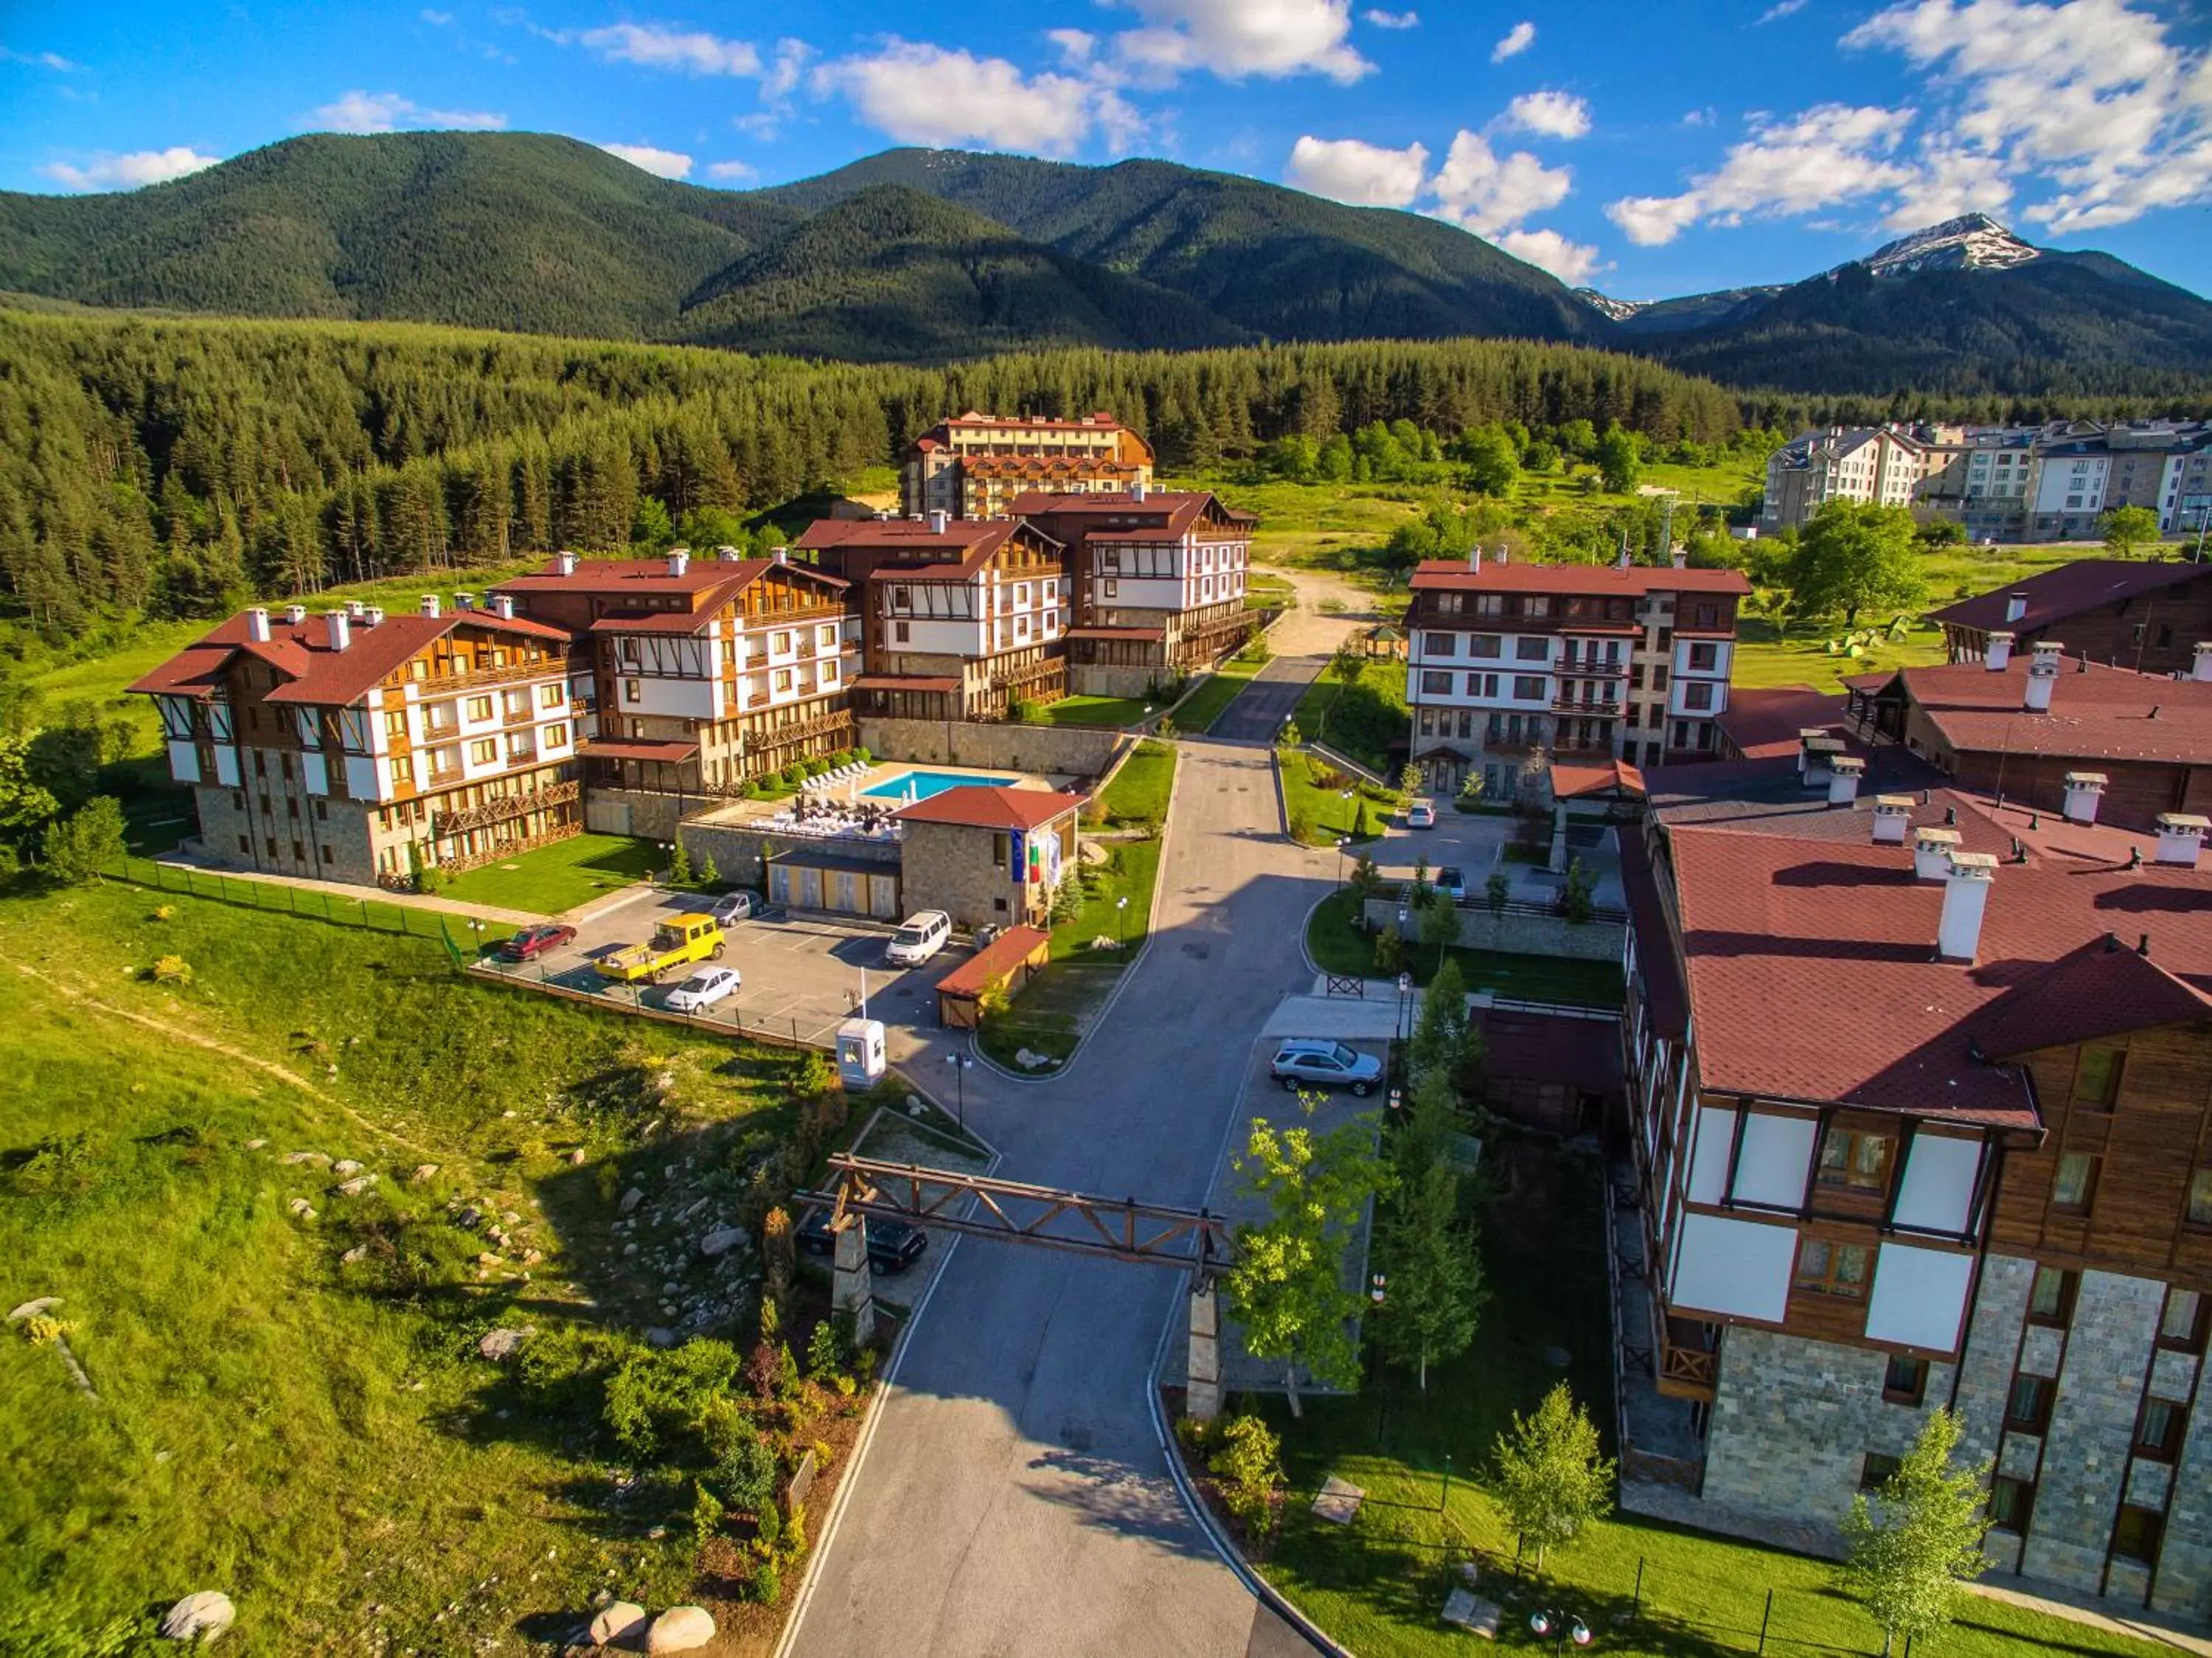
(920, 936)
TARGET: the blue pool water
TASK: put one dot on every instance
(923, 785)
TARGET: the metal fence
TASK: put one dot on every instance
(728, 1017)
(314, 904)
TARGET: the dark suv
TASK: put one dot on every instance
(893, 1245)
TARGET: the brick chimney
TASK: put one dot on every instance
(679, 560)
(2180, 837)
(2042, 676)
(2015, 606)
(1893, 816)
(1966, 896)
(430, 606)
(1999, 653)
(564, 563)
(257, 624)
(1931, 852)
(2083, 789)
(1845, 773)
(341, 629)
(2200, 663)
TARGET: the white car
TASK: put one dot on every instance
(1421, 815)
(730, 908)
(920, 936)
(703, 990)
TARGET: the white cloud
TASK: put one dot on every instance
(781, 78)
(1572, 262)
(131, 172)
(1548, 114)
(436, 20)
(657, 46)
(1699, 117)
(388, 112)
(1829, 154)
(1950, 182)
(661, 164)
(1515, 40)
(1077, 46)
(1781, 8)
(53, 60)
(729, 171)
(1234, 39)
(924, 94)
(1361, 173)
(1391, 20)
(2088, 97)
(1488, 195)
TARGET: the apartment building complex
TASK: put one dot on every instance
(2145, 615)
(354, 746)
(1921, 1113)
(1881, 465)
(973, 466)
(702, 673)
(1510, 666)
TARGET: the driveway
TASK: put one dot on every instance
(1014, 1498)
(1302, 642)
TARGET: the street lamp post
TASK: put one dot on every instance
(1121, 942)
(1559, 1627)
(961, 1064)
(1342, 841)
(1399, 1024)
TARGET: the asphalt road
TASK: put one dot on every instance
(1268, 698)
(1014, 1499)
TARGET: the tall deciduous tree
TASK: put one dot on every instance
(1920, 1538)
(1552, 1481)
(1854, 556)
(1287, 1288)
(1435, 1293)
(1620, 459)
(2128, 530)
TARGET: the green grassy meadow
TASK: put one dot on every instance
(559, 876)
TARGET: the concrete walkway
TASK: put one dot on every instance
(349, 893)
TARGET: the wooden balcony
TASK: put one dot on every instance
(502, 807)
(1689, 1358)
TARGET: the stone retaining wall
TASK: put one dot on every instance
(1078, 751)
(1517, 932)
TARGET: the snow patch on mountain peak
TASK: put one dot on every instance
(1973, 241)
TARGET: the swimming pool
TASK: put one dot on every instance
(921, 785)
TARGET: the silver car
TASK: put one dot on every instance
(703, 990)
(1321, 1063)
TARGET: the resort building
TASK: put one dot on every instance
(704, 674)
(1158, 581)
(990, 856)
(1511, 666)
(2146, 615)
(959, 618)
(1877, 465)
(973, 466)
(354, 746)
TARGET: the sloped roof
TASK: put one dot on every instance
(312, 671)
(986, 806)
(1610, 580)
(1764, 723)
(2103, 988)
(1572, 779)
(2053, 595)
(2095, 713)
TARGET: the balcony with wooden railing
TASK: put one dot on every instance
(500, 808)
(1689, 1357)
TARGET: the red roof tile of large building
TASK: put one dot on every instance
(1764, 723)
(1176, 510)
(640, 576)
(2095, 713)
(965, 544)
(1605, 579)
(2053, 595)
(985, 806)
(312, 671)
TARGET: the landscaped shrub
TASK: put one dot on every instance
(1247, 1459)
(170, 970)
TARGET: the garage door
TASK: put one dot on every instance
(607, 817)
(849, 889)
(810, 889)
(883, 896)
(779, 884)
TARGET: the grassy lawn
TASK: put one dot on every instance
(1049, 1014)
(1138, 796)
(1204, 705)
(1134, 870)
(559, 876)
(1360, 718)
(1378, 1585)
(1315, 800)
(1337, 946)
(319, 1437)
(1095, 710)
(1264, 590)
(1767, 656)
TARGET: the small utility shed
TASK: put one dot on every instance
(1013, 956)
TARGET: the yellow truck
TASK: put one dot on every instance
(675, 942)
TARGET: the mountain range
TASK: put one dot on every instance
(918, 255)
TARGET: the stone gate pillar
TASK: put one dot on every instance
(853, 1289)
(1202, 1398)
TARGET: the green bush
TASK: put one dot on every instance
(86, 844)
(1247, 1459)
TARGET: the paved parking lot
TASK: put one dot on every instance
(802, 975)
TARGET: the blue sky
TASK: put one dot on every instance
(1646, 151)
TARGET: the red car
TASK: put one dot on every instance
(533, 941)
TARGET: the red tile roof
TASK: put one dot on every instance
(2054, 594)
(2103, 988)
(966, 544)
(2104, 713)
(1608, 579)
(608, 748)
(1008, 951)
(315, 674)
(634, 576)
(1763, 723)
(1571, 779)
(1177, 510)
(983, 805)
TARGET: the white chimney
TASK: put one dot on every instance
(2082, 791)
(2200, 666)
(372, 616)
(430, 605)
(1999, 652)
(1966, 896)
(355, 609)
(1474, 560)
(257, 624)
(679, 560)
(295, 614)
(938, 521)
(341, 629)
(2042, 676)
(1807, 736)
(780, 554)
(1504, 553)
(1931, 852)
(729, 555)
(1819, 758)
(464, 602)
(502, 606)
(1893, 816)
(1137, 490)
(2181, 837)
(1620, 559)
(564, 563)
(1845, 773)
(2015, 606)
(1680, 558)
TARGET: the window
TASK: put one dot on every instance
(779, 641)
(1000, 851)
(1529, 687)
(1832, 1269)
(1537, 604)
(2051, 1297)
(902, 631)
(2158, 1430)
(403, 772)
(2182, 1324)
(479, 708)
(1440, 644)
(2011, 1502)
(325, 852)
(1704, 657)
(2075, 1188)
(1489, 604)
(322, 811)
(1527, 649)
(1698, 694)
(395, 723)
(484, 751)
(2027, 1406)
(632, 690)
(1905, 1380)
(1876, 1469)
(1659, 676)
(2137, 1535)
(556, 736)
(1113, 590)
(245, 844)
(1435, 683)
(551, 696)
(2096, 1077)
(1636, 677)
(1861, 1162)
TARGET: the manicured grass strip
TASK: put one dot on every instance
(559, 876)
(1321, 815)
(1048, 1015)
(1204, 706)
(1132, 874)
(1337, 946)
(1140, 791)
(1095, 712)
(310, 903)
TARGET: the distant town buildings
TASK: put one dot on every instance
(2050, 482)
(973, 466)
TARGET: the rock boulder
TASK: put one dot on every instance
(201, 1617)
(680, 1628)
(619, 1621)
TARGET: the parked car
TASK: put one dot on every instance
(1421, 815)
(893, 1245)
(920, 936)
(732, 907)
(1323, 1062)
(533, 941)
(703, 990)
(1451, 882)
